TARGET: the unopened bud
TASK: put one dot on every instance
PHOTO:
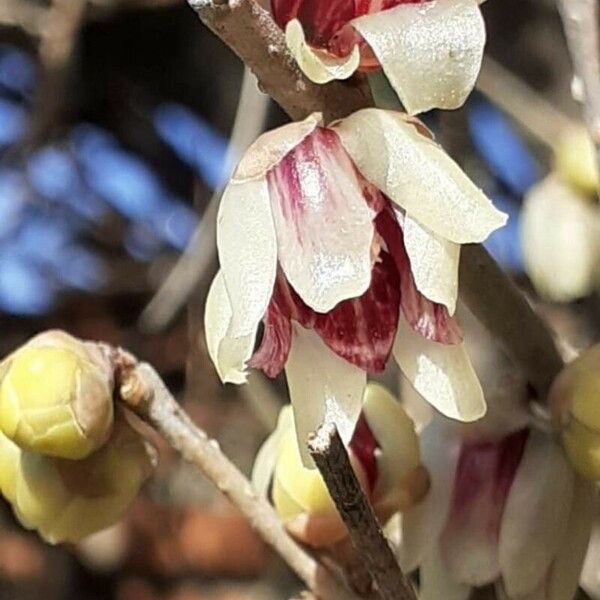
(67, 500)
(56, 397)
(575, 160)
(575, 402)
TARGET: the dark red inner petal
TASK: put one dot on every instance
(427, 318)
(363, 445)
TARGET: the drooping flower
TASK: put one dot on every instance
(509, 511)
(430, 50)
(345, 240)
(384, 452)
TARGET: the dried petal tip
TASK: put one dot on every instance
(574, 398)
(67, 500)
(56, 397)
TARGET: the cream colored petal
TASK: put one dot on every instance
(323, 387)
(264, 464)
(228, 354)
(418, 176)
(433, 262)
(536, 515)
(247, 247)
(272, 146)
(560, 232)
(590, 576)
(442, 374)
(431, 52)
(437, 581)
(423, 524)
(566, 570)
(318, 66)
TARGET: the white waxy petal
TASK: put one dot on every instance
(590, 576)
(560, 233)
(430, 52)
(418, 176)
(228, 354)
(442, 374)
(536, 515)
(318, 66)
(247, 247)
(566, 570)
(272, 146)
(323, 387)
(437, 581)
(423, 524)
(324, 225)
(433, 262)
(264, 464)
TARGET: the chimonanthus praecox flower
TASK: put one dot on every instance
(325, 233)
(384, 452)
(508, 511)
(430, 50)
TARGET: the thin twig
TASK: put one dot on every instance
(580, 21)
(144, 392)
(252, 34)
(330, 456)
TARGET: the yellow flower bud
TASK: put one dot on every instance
(384, 454)
(56, 397)
(575, 402)
(575, 160)
(67, 500)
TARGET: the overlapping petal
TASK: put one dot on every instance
(418, 176)
(437, 581)
(431, 52)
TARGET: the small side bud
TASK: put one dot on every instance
(67, 500)
(575, 403)
(575, 160)
(56, 397)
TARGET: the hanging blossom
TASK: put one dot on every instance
(345, 241)
(430, 50)
(383, 451)
(508, 511)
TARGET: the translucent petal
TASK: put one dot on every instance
(319, 66)
(431, 52)
(536, 515)
(323, 222)
(418, 176)
(442, 374)
(323, 387)
(247, 247)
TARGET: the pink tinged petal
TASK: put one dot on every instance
(318, 65)
(434, 263)
(418, 176)
(442, 374)
(422, 525)
(568, 564)
(431, 53)
(323, 387)
(430, 320)
(229, 355)
(324, 226)
(247, 247)
(536, 515)
(363, 446)
(484, 476)
(437, 581)
(272, 146)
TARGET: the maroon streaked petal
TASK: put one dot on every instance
(363, 445)
(484, 476)
(427, 318)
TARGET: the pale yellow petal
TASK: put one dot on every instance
(418, 176)
(319, 67)
(442, 374)
(430, 52)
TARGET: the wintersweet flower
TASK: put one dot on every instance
(384, 452)
(430, 50)
(508, 511)
(345, 241)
